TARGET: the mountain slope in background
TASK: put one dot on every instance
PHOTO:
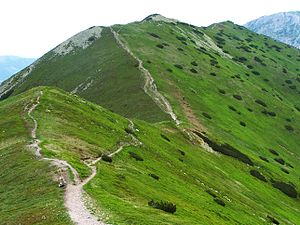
(9, 65)
(284, 27)
(224, 108)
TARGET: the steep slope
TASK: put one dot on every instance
(168, 164)
(9, 65)
(284, 27)
(92, 65)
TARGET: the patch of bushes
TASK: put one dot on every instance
(258, 175)
(238, 97)
(280, 160)
(193, 70)
(180, 38)
(178, 66)
(160, 46)
(213, 74)
(285, 188)
(273, 114)
(180, 49)
(106, 158)
(219, 201)
(226, 149)
(181, 152)
(194, 63)
(163, 205)
(256, 73)
(154, 35)
(264, 158)
(260, 102)
(129, 131)
(165, 137)
(242, 123)
(135, 156)
(211, 193)
(273, 152)
(207, 115)
(285, 170)
(222, 91)
(232, 108)
(273, 220)
(154, 176)
(169, 70)
(289, 127)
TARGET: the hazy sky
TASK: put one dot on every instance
(30, 28)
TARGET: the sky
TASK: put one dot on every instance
(30, 28)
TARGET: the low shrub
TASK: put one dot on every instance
(232, 108)
(106, 158)
(194, 63)
(273, 220)
(165, 137)
(180, 49)
(154, 176)
(260, 102)
(280, 160)
(181, 152)
(154, 35)
(213, 74)
(264, 158)
(289, 127)
(178, 66)
(129, 131)
(222, 91)
(219, 201)
(242, 123)
(193, 70)
(163, 205)
(273, 152)
(226, 149)
(160, 46)
(258, 175)
(207, 115)
(255, 73)
(135, 156)
(211, 193)
(285, 188)
(285, 171)
(238, 97)
(169, 70)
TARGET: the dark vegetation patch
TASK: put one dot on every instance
(160, 46)
(219, 201)
(178, 66)
(280, 160)
(154, 35)
(264, 158)
(7, 94)
(268, 113)
(258, 175)
(207, 115)
(250, 110)
(193, 70)
(213, 74)
(211, 193)
(238, 97)
(169, 70)
(154, 176)
(180, 49)
(222, 91)
(180, 38)
(194, 63)
(232, 108)
(92, 38)
(260, 102)
(285, 171)
(289, 127)
(226, 149)
(106, 158)
(285, 188)
(181, 152)
(255, 73)
(273, 152)
(129, 131)
(165, 137)
(135, 156)
(163, 205)
(242, 123)
(289, 165)
(273, 220)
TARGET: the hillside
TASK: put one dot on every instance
(9, 65)
(225, 102)
(284, 27)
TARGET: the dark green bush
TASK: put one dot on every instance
(154, 35)
(260, 102)
(213, 74)
(180, 49)
(273, 220)
(242, 123)
(219, 201)
(135, 156)
(180, 38)
(280, 160)
(289, 127)
(178, 66)
(160, 46)
(258, 175)
(165, 137)
(129, 131)
(226, 149)
(211, 193)
(285, 170)
(232, 108)
(238, 97)
(273, 152)
(181, 152)
(193, 70)
(194, 63)
(256, 73)
(285, 188)
(207, 115)
(222, 91)
(169, 70)
(163, 205)
(154, 176)
(264, 158)
(106, 158)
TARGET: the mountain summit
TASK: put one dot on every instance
(284, 27)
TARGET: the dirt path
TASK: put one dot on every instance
(74, 202)
(149, 87)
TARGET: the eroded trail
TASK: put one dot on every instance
(149, 87)
(74, 193)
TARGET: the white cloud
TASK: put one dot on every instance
(32, 27)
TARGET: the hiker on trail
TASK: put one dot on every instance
(62, 182)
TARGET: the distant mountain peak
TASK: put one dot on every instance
(159, 18)
(283, 26)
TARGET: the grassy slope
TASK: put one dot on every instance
(70, 130)
(28, 194)
(116, 82)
